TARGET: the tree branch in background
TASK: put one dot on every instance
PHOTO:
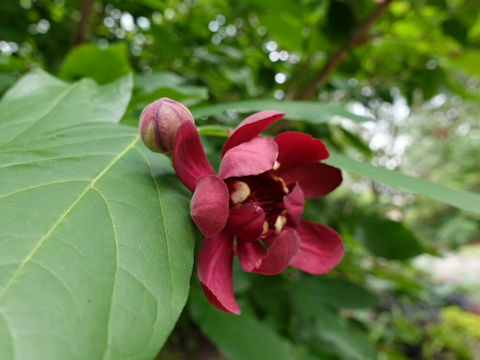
(297, 77)
(80, 36)
(359, 37)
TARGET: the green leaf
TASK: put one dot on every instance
(336, 292)
(276, 23)
(387, 238)
(7, 79)
(187, 94)
(330, 327)
(239, 337)
(39, 103)
(459, 198)
(102, 65)
(166, 84)
(468, 60)
(96, 244)
(151, 82)
(312, 112)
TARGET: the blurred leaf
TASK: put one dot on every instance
(387, 238)
(239, 337)
(6, 80)
(165, 84)
(459, 198)
(276, 24)
(312, 112)
(455, 28)
(96, 244)
(340, 20)
(333, 329)
(39, 103)
(342, 137)
(169, 43)
(242, 77)
(102, 65)
(468, 60)
(149, 88)
(187, 94)
(151, 82)
(335, 292)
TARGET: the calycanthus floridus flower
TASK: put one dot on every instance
(253, 206)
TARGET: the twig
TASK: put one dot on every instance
(80, 35)
(357, 38)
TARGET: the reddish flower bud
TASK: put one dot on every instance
(159, 122)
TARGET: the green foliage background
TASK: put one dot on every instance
(96, 244)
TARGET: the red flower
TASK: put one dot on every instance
(257, 197)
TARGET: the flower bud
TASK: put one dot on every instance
(159, 122)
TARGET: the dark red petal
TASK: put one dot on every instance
(246, 221)
(250, 254)
(315, 179)
(249, 158)
(296, 148)
(189, 160)
(250, 127)
(254, 258)
(214, 269)
(321, 248)
(294, 203)
(209, 205)
(279, 254)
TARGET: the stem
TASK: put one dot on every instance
(213, 130)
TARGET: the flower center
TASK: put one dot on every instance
(266, 190)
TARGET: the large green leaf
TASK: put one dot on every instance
(313, 112)
(239, 337)
(39, 103)
(96, 245)
(102, 65)
(459, 198)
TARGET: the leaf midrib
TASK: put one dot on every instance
(90, 185)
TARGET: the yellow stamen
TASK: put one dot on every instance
(240, 192)
(265, 227)
(280, 223)
(280, 180)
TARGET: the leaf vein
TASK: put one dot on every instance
(54, 104)
(64, 214)
(40, 186)
(169, 262)
(91, 139)
(115, 274)
(54, 158)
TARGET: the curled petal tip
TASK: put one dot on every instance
(250, 128)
